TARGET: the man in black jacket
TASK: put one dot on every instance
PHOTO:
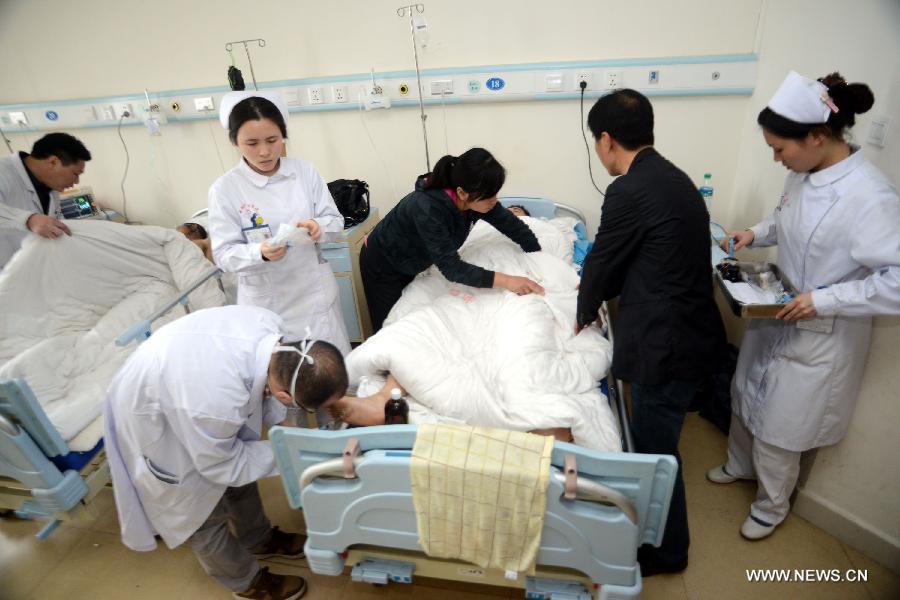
(653, 251)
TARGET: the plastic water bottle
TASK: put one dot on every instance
(707, 190)
(396, 410)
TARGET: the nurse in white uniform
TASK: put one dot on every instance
(837, 227)
(183, 424)
(249, 203)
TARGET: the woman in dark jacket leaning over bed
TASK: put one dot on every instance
(428, 226)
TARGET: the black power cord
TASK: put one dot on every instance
(583, 85)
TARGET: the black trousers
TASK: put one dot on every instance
(381, 282)
(657, 414)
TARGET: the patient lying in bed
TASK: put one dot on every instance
(197, 234)
(490, 358)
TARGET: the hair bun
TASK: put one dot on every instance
(853, 97)
(860, 97)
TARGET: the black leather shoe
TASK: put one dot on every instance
(652, 565)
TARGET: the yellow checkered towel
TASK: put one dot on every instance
(480, 494)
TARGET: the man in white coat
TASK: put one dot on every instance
(837, 227)
(183, 424)
(30, 186)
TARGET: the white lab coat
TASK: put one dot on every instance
(796, 385)
(18, 201)
(299, 288)
(183, 420)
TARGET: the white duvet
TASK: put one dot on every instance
(65, 301)
(491, 358)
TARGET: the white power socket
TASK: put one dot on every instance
(584, 76)
(315, 94)
(204, 104)
(18, 118)
(123, 109)
(340, 93)
(613, 79)
(442, 87)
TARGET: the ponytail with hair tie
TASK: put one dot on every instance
(475, 170)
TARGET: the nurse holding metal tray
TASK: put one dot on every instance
(265, 215)
(837, 227)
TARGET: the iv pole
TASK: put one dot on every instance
(262, 44)
(419, 8)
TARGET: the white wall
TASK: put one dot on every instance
(179, 45)
(91, 48)
(853, 489)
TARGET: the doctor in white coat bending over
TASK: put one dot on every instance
(30, 186)
(249, 203)
(183, 422)
(837, 227)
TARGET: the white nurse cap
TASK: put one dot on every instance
(802, 100)
(231, 99)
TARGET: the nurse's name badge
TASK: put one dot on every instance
(258, 232)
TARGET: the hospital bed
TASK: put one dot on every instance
(354, 487)
(40, 475)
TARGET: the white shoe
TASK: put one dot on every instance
(720, 475)
(754, 530)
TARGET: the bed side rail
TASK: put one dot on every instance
(644, 481)
(18, 404)
(26, 439)
(142, 329)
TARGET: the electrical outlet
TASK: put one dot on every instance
(442, 87)
(123, 109)
(474, 86)
(554, 82)
(204, 104)
(340, 93)
(18, 118)
(585, 77)
(107, 112)
(315, 94)
(291, 97)
(613, 79)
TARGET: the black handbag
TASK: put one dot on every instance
(351, 196)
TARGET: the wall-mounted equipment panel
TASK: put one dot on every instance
(675, 76)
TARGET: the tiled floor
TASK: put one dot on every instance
(87, 561)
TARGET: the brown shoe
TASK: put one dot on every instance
(269, 586)
(286, 545)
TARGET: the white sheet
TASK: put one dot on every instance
(65, 301)
(492, 358)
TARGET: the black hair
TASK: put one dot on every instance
(254, 108)
(850, 98)
(318, 382)
(475, 170)
(67, 148)
(626, 115)
(195, 231)
(520, 207)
